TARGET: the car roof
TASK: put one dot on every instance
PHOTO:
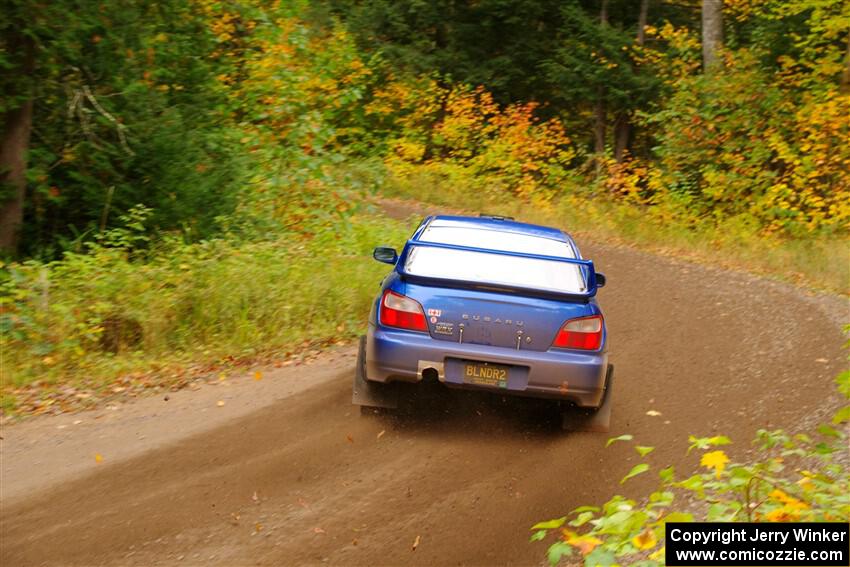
(497, 223)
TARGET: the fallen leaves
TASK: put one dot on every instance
(318, 530)
(46, 397)
(381, 434)
(220, 403)
(653, 413)
(98, 458)
(416, 543)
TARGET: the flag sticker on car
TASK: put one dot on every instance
(435, 312)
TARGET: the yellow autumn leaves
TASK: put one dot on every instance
(790, 508)
(715, 460)
(586, 543)
(645, 540)
(474, 139)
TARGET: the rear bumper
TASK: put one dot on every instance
(401, 356)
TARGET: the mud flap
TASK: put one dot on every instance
(598, 420)
(371, 394)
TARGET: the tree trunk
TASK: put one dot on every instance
(622, 136)
(845, 77)
(600, 111)
(642, 17)
(601, 127)
(623, 127)
(712, 33)
(14, 142)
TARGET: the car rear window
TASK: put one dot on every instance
(444, 232)
(494, 268)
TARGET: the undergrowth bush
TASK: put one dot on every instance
(120, 307)
(791, 477)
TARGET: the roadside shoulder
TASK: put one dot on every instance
(47, 450)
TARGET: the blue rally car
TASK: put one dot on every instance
(490, 304)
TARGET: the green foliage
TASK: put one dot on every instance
(739, 145)
(127, 110)
(496, 43)
(624, 437)
(592, 63)
(790, 478)
(804, 40)
(114, 309)
(636, 470)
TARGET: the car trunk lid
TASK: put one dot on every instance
(494, 319)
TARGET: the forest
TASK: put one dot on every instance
(185, 181)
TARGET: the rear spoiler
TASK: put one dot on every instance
(592, 283)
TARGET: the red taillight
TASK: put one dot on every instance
(584, 333)
(402, 312)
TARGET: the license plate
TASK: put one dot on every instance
(485, 374)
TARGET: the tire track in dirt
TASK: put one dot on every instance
(713, 351)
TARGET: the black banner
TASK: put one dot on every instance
(744, 544)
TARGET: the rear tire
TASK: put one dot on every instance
(372, 397)
(597, 420)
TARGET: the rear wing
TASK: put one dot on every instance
(562, 278)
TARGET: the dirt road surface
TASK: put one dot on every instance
(286, 471)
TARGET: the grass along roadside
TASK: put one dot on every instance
(90, 325)
(817, 263)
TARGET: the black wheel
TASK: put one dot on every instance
(371, 395)
(593, 419)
